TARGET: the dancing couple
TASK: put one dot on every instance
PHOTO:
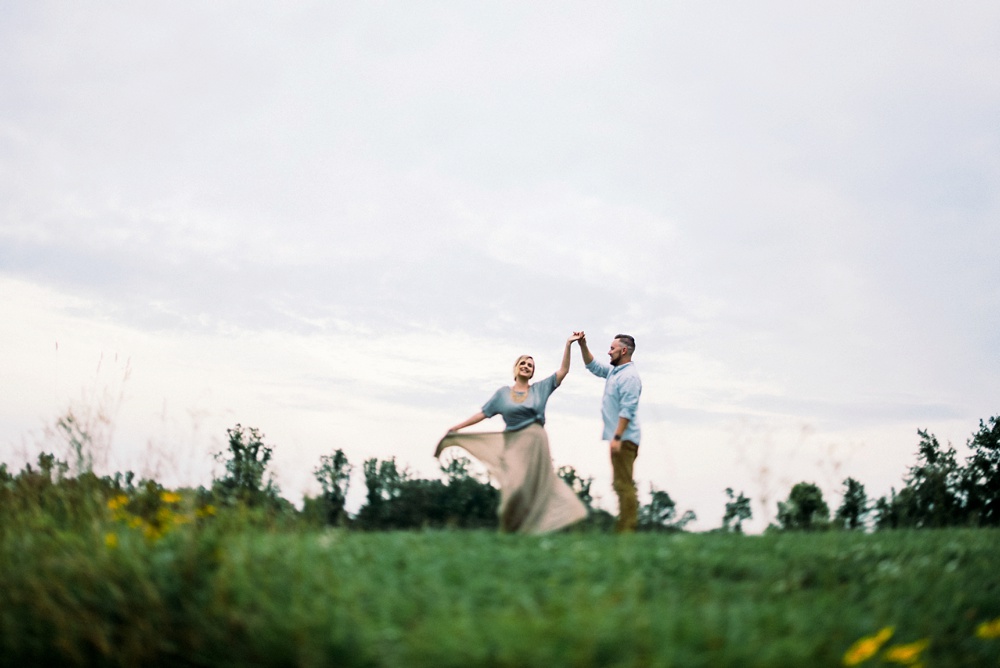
(533, 499)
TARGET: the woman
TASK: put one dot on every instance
(533, 499)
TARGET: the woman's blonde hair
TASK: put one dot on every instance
(518, 362)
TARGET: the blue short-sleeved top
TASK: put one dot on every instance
(520, 415)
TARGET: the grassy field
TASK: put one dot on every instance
(220, 593)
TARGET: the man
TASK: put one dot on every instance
(621, 424)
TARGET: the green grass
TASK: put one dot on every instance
(208, 595)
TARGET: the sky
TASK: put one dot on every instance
(340, 223)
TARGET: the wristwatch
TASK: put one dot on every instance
(616, 437)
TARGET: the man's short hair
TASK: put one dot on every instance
(627, 341)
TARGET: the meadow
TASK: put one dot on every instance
(224, 589)
(111, 571)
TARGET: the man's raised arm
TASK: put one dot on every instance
(584, 350)
(594, 367)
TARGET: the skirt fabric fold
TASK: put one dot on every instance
(533, 499)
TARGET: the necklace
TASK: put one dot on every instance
(518, 396)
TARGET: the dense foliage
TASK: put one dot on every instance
(854, 509)
(246, 480)
(805, 508)
(737, 511)
(940, 491)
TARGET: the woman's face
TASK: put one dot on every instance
(525, 367)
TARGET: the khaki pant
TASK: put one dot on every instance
(624, 486)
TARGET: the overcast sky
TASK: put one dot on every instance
(341, 222)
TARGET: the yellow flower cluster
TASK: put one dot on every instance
(908, 654)
(205, 511)
(989, 630)
(118, 502)
(166, 517)
(867, 647)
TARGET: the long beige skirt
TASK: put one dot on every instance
(533, 499)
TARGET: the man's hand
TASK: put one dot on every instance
(576, 337)
(616, 442)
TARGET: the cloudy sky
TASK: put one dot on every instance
(341, 222)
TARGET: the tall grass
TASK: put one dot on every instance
(110, 572)
(230, 590)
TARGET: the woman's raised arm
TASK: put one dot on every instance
(564, 369)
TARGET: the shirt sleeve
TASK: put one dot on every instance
(628, 397)
(547, 386)
(599, 369)
(494, 405)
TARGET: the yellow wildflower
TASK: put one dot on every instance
(117, 502)
(906, 654)
(207, 511)
(867, 647)
(989, 630)
(111, 540)
(170, 497)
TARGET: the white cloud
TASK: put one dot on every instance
(789, 205)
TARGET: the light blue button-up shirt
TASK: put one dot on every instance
(621, 398)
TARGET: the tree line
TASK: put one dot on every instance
(938, 491)
(395, 499)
